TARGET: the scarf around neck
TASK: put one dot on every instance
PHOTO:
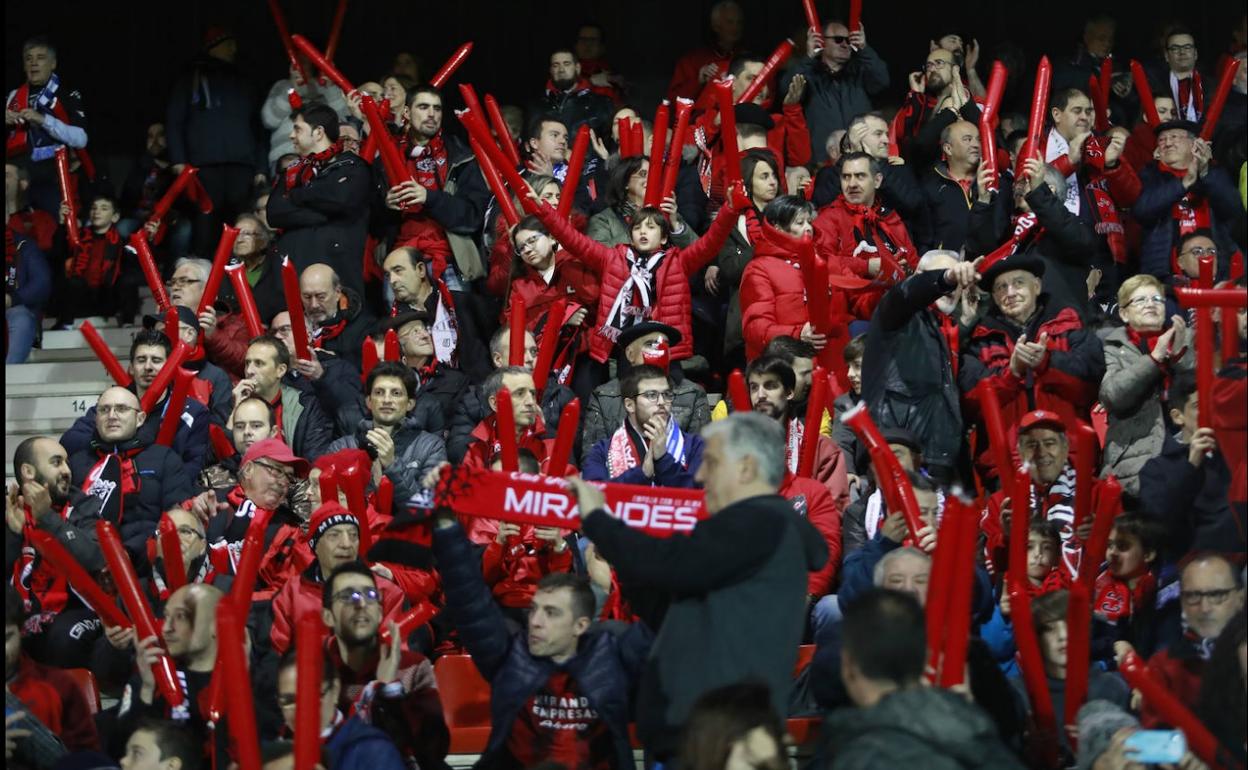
(304, 170)
(622, 454)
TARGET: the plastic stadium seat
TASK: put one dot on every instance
(86, 683)
(465, 703)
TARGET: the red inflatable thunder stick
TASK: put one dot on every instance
(105, 354)
(390, 346)
(1226, 79)
(812, 16)
(294, 306)
(246, 302)
(140, 612)
(409, 621)
(1085, 459)
(1032, 667)
(949, 594)
(1098, 92)
(249, 561)
(383, 498)
(477, 129)
(182, 379)
(1228, 299)
(171, 553)
(309, 629)
(738, 392)
(225, 248)
(549, 343)
(186, 181)
(1204, 350)
(323, 64)
(1107, 504)
(728, 131)
(328, 487)
(283, 31)
(156, 390)
(855, 15)
(894, 484)
(492, 178)
(143, 252)
(654, 181)
(774, 62)
(1146, 94)
(672, 168)
(67, 196)
(83, 584)
(505, 427)
(235, 684)
(576, 163)
(815, 405)
(368, 357)
(569, 422)
(392, 161)
(1036, 120)
(516, 331)
(988, 118)
(444, 73)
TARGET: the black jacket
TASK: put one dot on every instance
(605, 667)
(308, 431)
(213, 118)
(325, 220)
(907, 370)
(338, 391)
(268, 293)
(576, 107)
(1190, 501)
(736, 588)
(438, 396)
(190, 442)
(900, 190)
(343, 333)
(1154, 208)
(221, 400)
(947, 211)
(473, 408)
(160, 483)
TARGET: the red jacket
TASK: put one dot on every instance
(685, 78)
(1180, 674)
(512, 569)
(1230, 423)
(837, 236)
(672, 303)
(813, 500)
(97, 260)
(35, 224)
(483, 443)
(773, 298)
(227, 345)
(53, 697)
(571, 279)
(303, 593)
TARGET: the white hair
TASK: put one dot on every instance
(202, 265)
(925, 262)
(881, 566)
(748, 434)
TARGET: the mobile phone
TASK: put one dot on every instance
(1156, 746)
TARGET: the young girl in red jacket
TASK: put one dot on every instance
(646, 279)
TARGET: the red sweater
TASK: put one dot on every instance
(54, 698)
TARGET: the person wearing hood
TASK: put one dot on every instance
(402, 451)
(898, 722)
(722, 279)
(134, 481)
(735, 587)
(638, 345)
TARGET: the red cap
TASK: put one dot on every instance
(1042, 418)
(275, 449)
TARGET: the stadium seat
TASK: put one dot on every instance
(465, 703)
(86, 683)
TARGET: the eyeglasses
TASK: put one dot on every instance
(1194, 598)
(838, 39)
(1185, 48)
(189, 532)
(177, 283)
(1201, 251)
(278, 471)
(357, 596)
(655, 396)
(529, 243)
(121, 410)
(1152, 299)
(935, 65)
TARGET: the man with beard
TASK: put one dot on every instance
(868, 132)
(571, 97)
(334, 539)
(909, 363)
(394, 682)
(441, 208)
(134, 481)
(937, 98)
(336, 315)
(196, 565)
(68, 629)
(649, 448)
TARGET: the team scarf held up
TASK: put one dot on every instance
(41, 144)
(895, 259)
(1107, 222)
(622, 454)
(304, 170)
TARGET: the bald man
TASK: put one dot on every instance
(335, 313)
(133, 481)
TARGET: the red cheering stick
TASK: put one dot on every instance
(855, 15)
(236, 685)
(67, 196)
(996, 87)
(1017, 486)
(187, 180)
(137, 608)
(83, 584)
(625, 135)
(182, 380)
(222, 445)
(246, 302)
(1146, 94)
(892, 479)
(472, 122)
(990, 407)
(940, 578)
(143, 251)
(294, 306)
(1106, 504)
(368, 357)
(156, 390)
(324, 65)
(637, 137)
(1198, 298)
(328, 487)
(368, 149)
(672, 168)
(1225, 81)
(988, 151)
(105, 354)
(569, 424)
(1085, 457)
(1204, 350)
(171, 325)
(1230, 335)
(576, 163)
(335, 30)
(660, 355)
(469, 95)
(738, 393)
(815, 403)
(308, 632)
(225, 247)
(658, 141)
(505, 426)
(505, 203)
(549, 343)
(1173, 712)
(516, 331)
(409, 621)
(728, 131)
(392, 160)
(283, 31)
(957, 633)
(815, 276)
(1036, 119)
(1100, 94)
(812, 16)
(500, 129)
(390, 346)
(171, 553)
(774, 62)
(250, 553)
(1033, 671)
(444, 74)
(383, 499)
(1078, 657)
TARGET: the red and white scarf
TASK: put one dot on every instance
(622, 455)
(428, 162)
(1189, 96)
(304, 170)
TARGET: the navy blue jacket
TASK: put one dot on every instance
(668, 472)
(1191, 502)
(356, 745)
(1159, 192)
(34, 278)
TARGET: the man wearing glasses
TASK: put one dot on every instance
(649, 448)
(1183, 81)
(841, 72)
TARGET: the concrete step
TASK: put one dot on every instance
(50, 401)
(72, 338)
(53, 371)
(75, 354)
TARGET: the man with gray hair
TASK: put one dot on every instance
(735, 588)
(908, 366)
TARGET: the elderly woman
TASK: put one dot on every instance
(1140, 359)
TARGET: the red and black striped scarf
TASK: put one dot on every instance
(304, 170)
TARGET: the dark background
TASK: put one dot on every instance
(125, 56)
